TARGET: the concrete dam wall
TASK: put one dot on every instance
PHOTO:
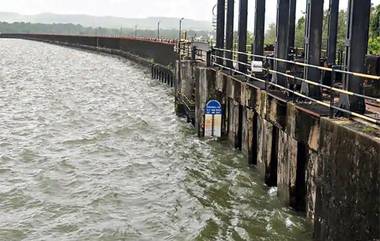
(158, 52)
(325, 168)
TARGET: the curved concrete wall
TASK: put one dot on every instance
(155, 51)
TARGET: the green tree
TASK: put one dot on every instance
(270, 35)
(374, 35)
(375, 22)
(300, 32)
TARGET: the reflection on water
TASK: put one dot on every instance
(90, 149)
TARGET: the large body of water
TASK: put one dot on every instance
(91, 149)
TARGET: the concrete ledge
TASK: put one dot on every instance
(348, 197)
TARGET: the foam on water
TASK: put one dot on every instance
(91, 149)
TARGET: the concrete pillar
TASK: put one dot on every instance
(356, 50)
(205, 90)
(313, 44)
(287, 167)
(258, 45)
(230, 31)
(220, 29)
(267, 151)
(333, 31)
(248, 133)
(243, 18)
(282, 45)
(292, 22)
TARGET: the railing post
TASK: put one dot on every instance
(332, 96)
(209, 57)
(267, 70)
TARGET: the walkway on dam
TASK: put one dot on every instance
(91, 149)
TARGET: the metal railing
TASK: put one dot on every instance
(268, 71)
(189, 51)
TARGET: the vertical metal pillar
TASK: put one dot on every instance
(356, 50)
(258, 46)
(313, 45)
(282, 45)
(230, 32)
(333, 31)
(292, 23)
(243, 19)
(158, 29)
(220, 29)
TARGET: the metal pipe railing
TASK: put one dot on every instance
(313, 83)
(362, 75)
(328, 105)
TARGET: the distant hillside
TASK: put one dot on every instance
(77, 29)
(107, 21)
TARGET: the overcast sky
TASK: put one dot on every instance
(194, 9)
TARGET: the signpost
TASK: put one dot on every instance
(213, 119)
(257, 66)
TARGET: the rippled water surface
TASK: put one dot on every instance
(90, 149)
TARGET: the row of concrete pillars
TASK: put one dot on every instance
(357, 32)
(162, 74)
(263, 150)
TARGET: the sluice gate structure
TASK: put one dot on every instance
(318, 142)
(310, 128)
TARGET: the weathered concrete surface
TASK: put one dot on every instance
(221, 93)
(248, 133)
(303, 126)
(348, 196)
(276, 111)
(321, 166)
(233, 122)
(312, 177)
(205, 90)
(155, 51)
(287, 168)
(267, 151)
(188, 75)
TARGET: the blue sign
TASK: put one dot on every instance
(213, 107)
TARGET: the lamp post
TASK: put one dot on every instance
(135, 31)
(177, 85)
(180, 28)
(158, 29)
(179, 39)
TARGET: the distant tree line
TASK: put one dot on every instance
(76, 29)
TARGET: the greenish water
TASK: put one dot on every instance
(91, 149)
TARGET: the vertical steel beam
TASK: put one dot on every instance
(282, 38)
(230, 32)
(356, 50)
(243, 19)
(333, 31)
(292, 23)
(258, 48)
(220, 29)
(313, 44)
